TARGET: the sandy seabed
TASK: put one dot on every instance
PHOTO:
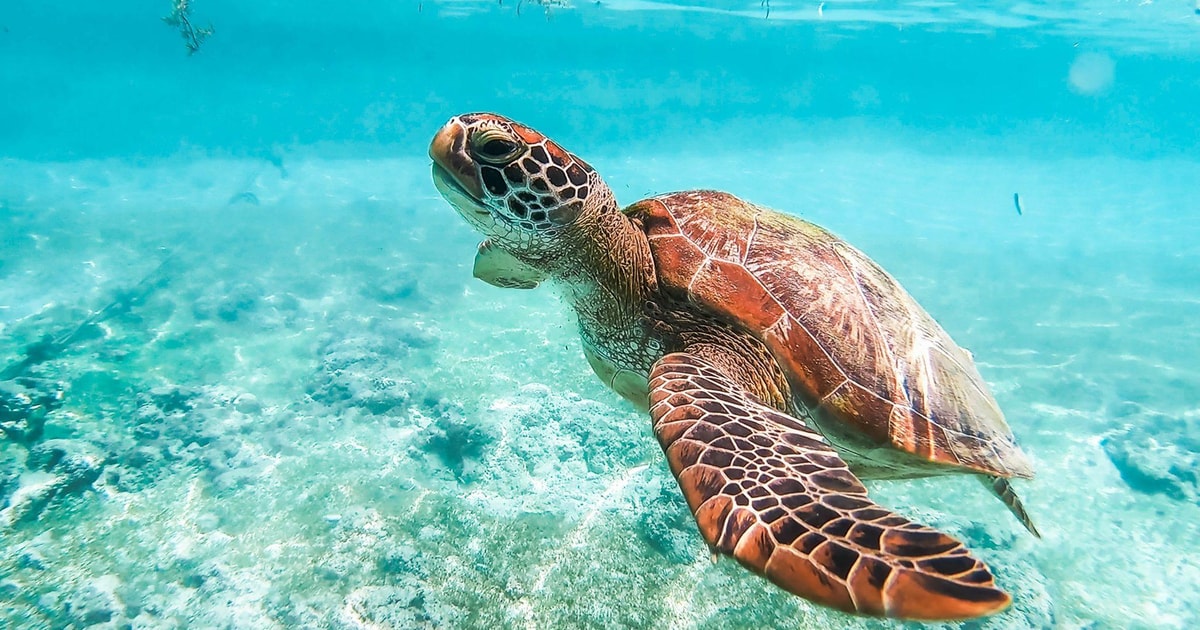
(312, 416)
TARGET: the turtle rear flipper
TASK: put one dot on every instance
(770, 492)
(1003, 490)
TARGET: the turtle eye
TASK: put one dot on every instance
(494, 147)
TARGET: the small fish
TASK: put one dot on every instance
(1017, 203)
(245, 197)
(276, 160)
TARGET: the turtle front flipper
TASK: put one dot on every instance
(499, 268)
(770, 492)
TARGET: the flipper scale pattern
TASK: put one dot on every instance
(770, 492)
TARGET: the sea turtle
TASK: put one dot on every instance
(778, 364)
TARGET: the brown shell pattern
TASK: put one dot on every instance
(855, 345)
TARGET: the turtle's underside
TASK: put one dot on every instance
(778, 364)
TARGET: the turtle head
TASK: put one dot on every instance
(513, 184)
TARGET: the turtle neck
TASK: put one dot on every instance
(605, 271)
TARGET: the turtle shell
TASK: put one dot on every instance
(854, 344)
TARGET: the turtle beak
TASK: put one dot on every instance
(449, 152)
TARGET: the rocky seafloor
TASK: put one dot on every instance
(311, 416)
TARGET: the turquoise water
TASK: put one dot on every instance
(272, 394)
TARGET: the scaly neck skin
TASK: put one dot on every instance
(604, 269)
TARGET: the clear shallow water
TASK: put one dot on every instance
(315, 417)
